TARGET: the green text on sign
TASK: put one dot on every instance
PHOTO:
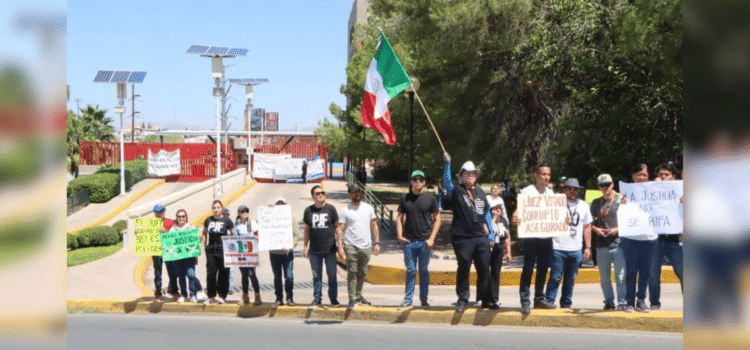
(177, 245)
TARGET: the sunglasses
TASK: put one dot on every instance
(181, 216)
(417, 179)
(320, 192)
(605, 185)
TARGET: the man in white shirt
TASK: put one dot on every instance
(566, 251)
(357, 224)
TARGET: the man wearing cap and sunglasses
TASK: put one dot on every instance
(608, 252)
(417, 224)
(471, 231)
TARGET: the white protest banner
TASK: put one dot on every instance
(275, 228)
(542, 215)
(315, 169)
(633, 221)
(660, 200)
(240, 251)
(163, 163)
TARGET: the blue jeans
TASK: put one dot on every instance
(316, 265)
(605, 257)
(673, 251)
(171, 272)
(638, 256)
(565, 268)
(416, 252)
(284, 263)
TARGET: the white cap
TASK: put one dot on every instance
(280, 199)
(604, 179)
(468, 166)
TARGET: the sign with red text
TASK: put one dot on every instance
(542, 215)
(240, 251)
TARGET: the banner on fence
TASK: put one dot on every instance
(315, 169)
(633, 221)
(275, 230)
(163, 163)
(178, 245)
(264, 165)
(147, 236)
(542, 215)
(660, 200)
(240, 251)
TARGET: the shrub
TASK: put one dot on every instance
(72, 242)
(135, 171)
(101, 186)
(120, 226)
(97, 236)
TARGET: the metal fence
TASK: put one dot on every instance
(78, 201)
(384, 215)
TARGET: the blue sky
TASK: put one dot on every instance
(300, 46)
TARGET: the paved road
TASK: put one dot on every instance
(88, 331)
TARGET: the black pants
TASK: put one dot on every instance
(248, 273)
(539, 251)
(215, 267)
(476, 250)
(496, 263)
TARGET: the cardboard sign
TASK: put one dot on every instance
(633, 221)
(542, 215)
(660, 200)
(178, 245)
(275, 230)
(147, 236)
(240, 251)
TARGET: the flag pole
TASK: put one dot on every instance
(430, 120)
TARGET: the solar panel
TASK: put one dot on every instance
(120, 77)
(238, 52)
(197, 49)
(136, 77)
(248, 81)
(103, 76)
(216, 50)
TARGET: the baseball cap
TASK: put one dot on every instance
(159, 208)
(417, 173)
(243, 208)
(495, 202)
(468, 166)
(604, 179)
(353, 188)
(280, 199)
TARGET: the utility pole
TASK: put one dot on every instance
(132, 128)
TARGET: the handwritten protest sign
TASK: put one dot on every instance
(633, 221)
(275, 228)
(163, 163)
(240, 251)
(179, 245)
(660, 200)
(147, 236)
(542, 215)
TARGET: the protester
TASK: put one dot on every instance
(159, 211)
(282, 261)
(358, 227)
(417, 225)
(669, 245)
(536, 250)
(501, 250)
(214, 227)
(242, 227)
(185, 268)
(321, 220)
(608, 250)
(638, 252)
(471, 231)
(566, 250)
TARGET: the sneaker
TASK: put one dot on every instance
(193, 299)
(425, 303)
(526, 308)
(655, 307)
(641, 306)
(180, 300)
(201, 295)
(335, 302)
(461, 306)
(207, 302)
(176, 296)
(629, 309)
(352, 305)
(405, 304)
(543, 304)
(278, 303)
(157, 299)
(220, 300)
(609, 306)
(492, 306)
(315, 303)
(290, 302)
(364, 301)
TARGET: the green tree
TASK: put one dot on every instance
(167, 139)
(96, 122)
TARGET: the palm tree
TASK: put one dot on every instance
(96, 122)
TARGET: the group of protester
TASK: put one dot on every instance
(480, 234)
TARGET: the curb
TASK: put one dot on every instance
(119, 209)
(143, 264)
(657, 321)
(390, 275)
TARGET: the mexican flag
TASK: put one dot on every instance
(386, 78)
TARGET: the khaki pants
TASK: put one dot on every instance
(356, 266)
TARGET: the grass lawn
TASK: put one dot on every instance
(88, 254)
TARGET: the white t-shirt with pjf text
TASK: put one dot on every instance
(356, 220)
(580, 215)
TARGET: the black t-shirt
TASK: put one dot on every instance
(216, 228)
(418, 209)
(468, 215)
(322, 223)
(604, 214)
